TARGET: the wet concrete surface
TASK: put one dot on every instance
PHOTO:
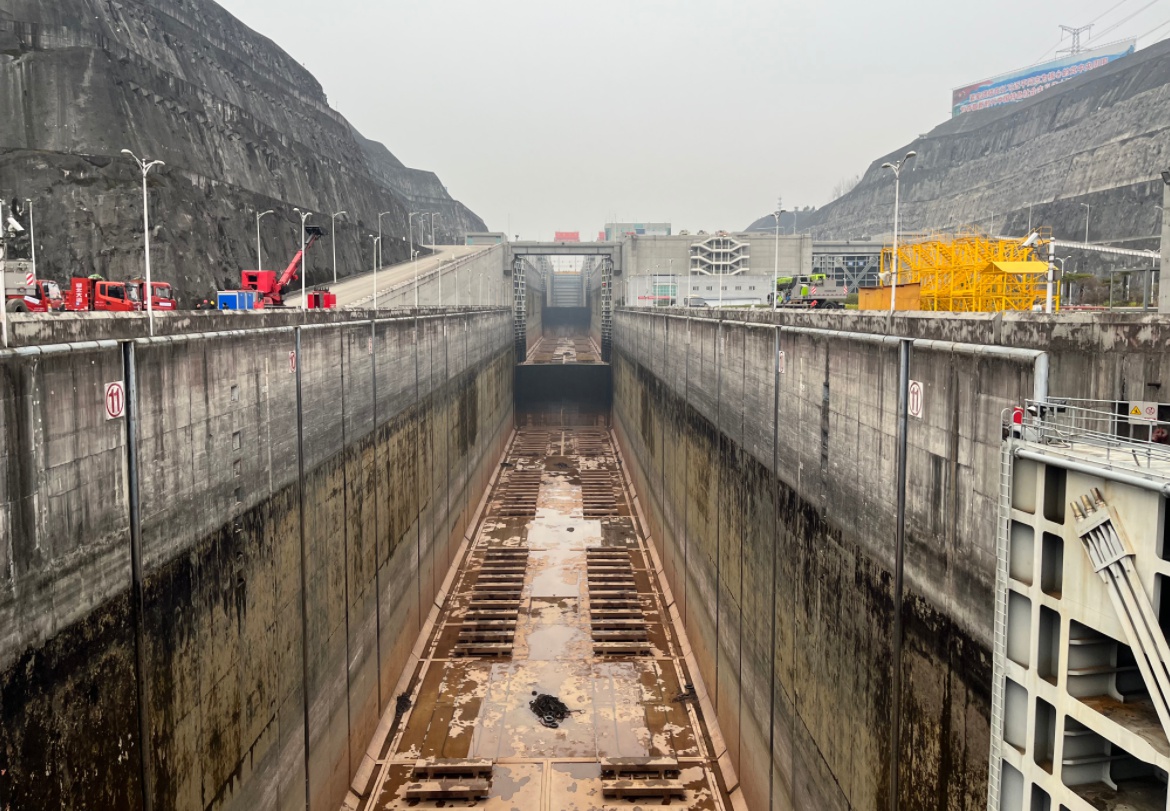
(622, 705)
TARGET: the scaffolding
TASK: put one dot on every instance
(970, 272)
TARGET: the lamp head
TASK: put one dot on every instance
(888, 165)
(909, 155)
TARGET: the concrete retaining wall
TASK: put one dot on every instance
(291, 547)
(477, 279)
(771, 499)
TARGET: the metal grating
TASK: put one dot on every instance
(488, 627)
(616, 619)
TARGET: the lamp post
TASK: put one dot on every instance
(146, 166)
(304, 217)
(410, 229)
(333, 234)
(1087, 209)
(896, 168)
(423, 236)
(382, 214)
(776, 265)
(414, 252)
(1163, 284)
(377, 247)
(1060, 285)
(259, 216)
(32, 234)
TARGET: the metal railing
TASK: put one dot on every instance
(1129, 433)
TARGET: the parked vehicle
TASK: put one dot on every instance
(163, 298)
(23, 293)
(263, 288)
(95, 294)
(817, 290)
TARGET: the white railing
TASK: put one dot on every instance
(1128, 439)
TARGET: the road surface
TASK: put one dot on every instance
(355, 289)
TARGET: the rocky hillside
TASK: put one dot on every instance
(1100, 139)
(242, 128)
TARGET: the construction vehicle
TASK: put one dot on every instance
(816, 290)
(24, 293)
(95, 294)
(163, 298)
(263, 288)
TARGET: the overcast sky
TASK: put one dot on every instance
(546, 115)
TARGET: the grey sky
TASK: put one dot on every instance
(546, 115)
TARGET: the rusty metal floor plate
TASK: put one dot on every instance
(555, 596)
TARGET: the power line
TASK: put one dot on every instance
(1123, 20)
(1155, 28)
(1089, 24)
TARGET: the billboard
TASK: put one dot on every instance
(1025, 83)
(567, 236)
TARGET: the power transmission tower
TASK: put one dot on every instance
(1075, 48)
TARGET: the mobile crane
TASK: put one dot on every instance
(262, 288)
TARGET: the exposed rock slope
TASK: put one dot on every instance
(241, 126)
(1100, 139)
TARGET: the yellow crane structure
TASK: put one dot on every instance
(969, 272)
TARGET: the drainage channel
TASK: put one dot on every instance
(557, 602)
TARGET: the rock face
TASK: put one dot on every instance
(241, 126)
(1100, 139)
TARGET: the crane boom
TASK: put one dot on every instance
(313, 232)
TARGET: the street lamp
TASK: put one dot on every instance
(304, 217)
(776, 266)
(896, 168)
(259, 216)
(32, 234)
(432, 215)
(414, 258)
(380, 216)
(377, 247)
(146, 166)
(333, 235)
(1087, 208)
(410, 229)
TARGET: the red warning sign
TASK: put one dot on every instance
(115, 400)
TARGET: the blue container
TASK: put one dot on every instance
(235, 299)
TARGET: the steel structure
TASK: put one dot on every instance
(606, 309)
(519, 309)
(970, 272)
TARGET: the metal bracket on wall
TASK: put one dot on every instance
(1112, 557)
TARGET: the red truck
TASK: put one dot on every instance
(96, 294)
(24, 293)
(164, 294)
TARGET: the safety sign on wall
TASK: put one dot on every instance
(115, 400)
(914, 401)
(1142, 412)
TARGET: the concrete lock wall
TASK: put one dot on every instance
(476, 279)
(291, 549)
(771, 499)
